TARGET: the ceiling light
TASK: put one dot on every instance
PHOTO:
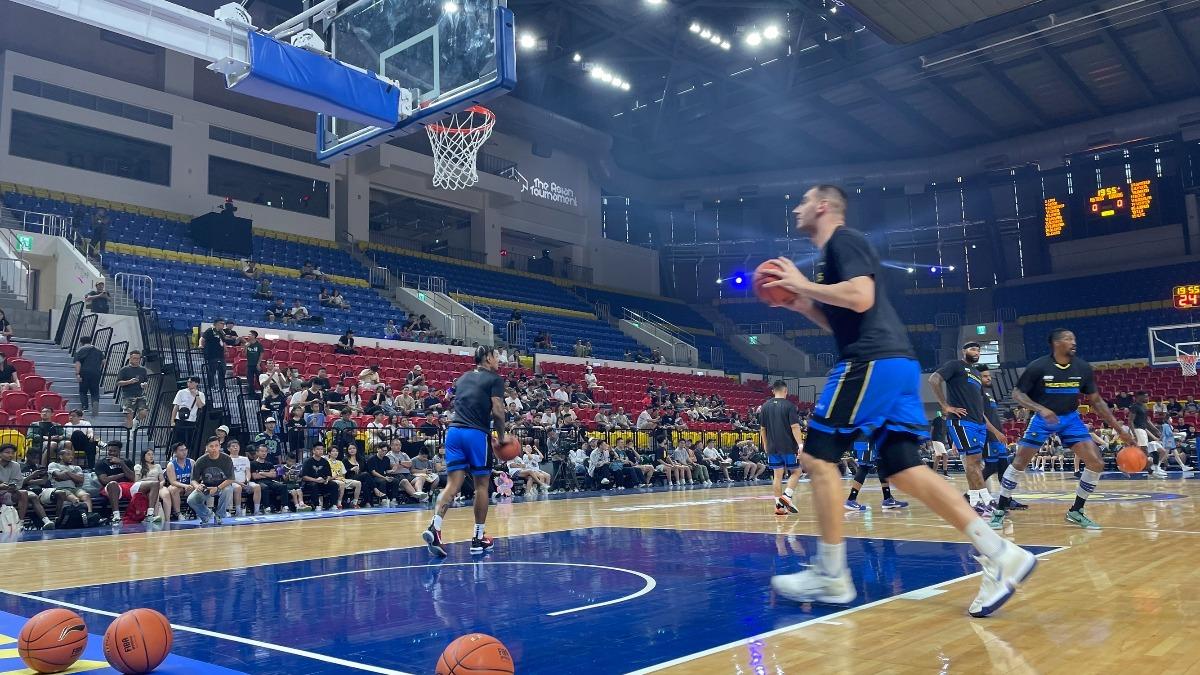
(771, 32)
(528, 41)
(754, 39)
(725, 45)
(695, 27)
(450, 7)
(625, 86)
(596, 73)
(606, 78)
(577, 58)
(617, 82)
(705, 33)
(833, 9)
(654, 2)
(715, 39)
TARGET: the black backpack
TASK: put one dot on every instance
(71, 517)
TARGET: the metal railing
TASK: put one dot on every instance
(681, 342)
(825, 360)
(947, 319)
(764, 328)
(33, 221)
(139, 291)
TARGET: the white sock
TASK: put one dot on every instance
(985, 539)
(1008, 484)
(985, 496)
(437, 522)
(973, 497)
(831, 558)
(116, 514)
(479, 530)
(149, 512)
(788, 492)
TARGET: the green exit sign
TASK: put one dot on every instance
(421, 296)
(24, 243)
(752, 339)
(981, 330)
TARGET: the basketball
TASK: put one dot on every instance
(509, 449)
(771, 296)
(475, 654)
(138, 641)
(1131, 459)
(53, 640)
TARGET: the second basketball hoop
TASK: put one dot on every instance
(456, 142)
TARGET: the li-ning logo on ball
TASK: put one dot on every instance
(77, 628)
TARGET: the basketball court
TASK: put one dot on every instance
(664, 581)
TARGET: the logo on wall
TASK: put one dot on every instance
(551, 192)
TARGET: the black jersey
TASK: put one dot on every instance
(473, 393)
(1056, 386)
(1139, 417)
(992, 410)
(964, 389)
(876, 333)
(777, 416)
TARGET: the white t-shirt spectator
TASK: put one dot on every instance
(84, 426)
(241, 469)
(644, 420)
(590, 379)
(549, 420)
(514, 399)
(185, 399)
(578, 457)
(561, 395)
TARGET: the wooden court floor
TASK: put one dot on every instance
(1123, 600)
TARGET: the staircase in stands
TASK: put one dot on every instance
(56, 365)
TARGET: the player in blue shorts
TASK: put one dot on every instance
(966, 420)
(996, 454)
(1050, 387)
(874, 390)
(478, 409)
(864, 452)
(781, 436)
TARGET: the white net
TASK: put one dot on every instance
(1187, 363)
(456, 143)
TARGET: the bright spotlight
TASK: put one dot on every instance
(833, 9)
(625, 86)
(911, 270)
(933, 270)
(654, 2)
(754, 39)
(705, 33)
(528, 41)
(715, 39)
(450, 7)
(695, 27)
(951, 268)
(617, 82)
(720, 281)
(725, 45)
(577, 58)
(771, 32)
(596, 73)
(739, 280)
(606, 78)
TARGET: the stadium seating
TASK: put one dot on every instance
(607, 342)
(1103, 337)
(1099, 290)
(732, 360)
(676, 312)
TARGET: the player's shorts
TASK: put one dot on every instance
(467, 450)
(864, 452)
(878, 399)
(968, 437)
(996, 451)
(939, 448)
(782, 461)
(126, 492)
(1070, 430)
(1142, 438)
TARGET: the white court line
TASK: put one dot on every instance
(827, 619)
(223, 636)
(650, 582)
(817, 534)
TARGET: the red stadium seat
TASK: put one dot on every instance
(25, 418)
(61, 417)
(9, 350)
(22, 366)
(32, 384)
(14, 401)
(49, 399)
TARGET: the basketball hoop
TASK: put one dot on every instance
(1187, 363)
(456, 143)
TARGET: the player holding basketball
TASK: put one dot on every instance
(874, 390)
(478, 408)
(962, 402)
(996, 459)
(864, 451)
(781, 436)
(1050, 387)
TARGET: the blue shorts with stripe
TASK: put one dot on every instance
(864, 452)
(782, 461)
(871, 398)
(1070, 430)
(996, 451)
(968, 437)
(467, 450)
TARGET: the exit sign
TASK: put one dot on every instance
(752, 339)
(421, 296)
(24, 243)
(981, 330)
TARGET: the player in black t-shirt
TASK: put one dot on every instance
(478, 409)
(874, 390)
(1050, 387)
(963, 404)
(781, 436)
(1146, 435)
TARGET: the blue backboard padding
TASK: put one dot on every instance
(286, 74)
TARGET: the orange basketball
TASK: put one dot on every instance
(1132, 459)
(509, 449)
(53, 640)
(138, 641)
(771, 296)
(475, 654)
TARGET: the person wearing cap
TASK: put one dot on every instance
(185, 411)
(212, 343)
(269, 437)
(416, 378)
(222, 434)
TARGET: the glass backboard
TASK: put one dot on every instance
(450, 54)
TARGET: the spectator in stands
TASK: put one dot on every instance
(426, 468)
(368, 378)
(295, 430)
(43, 437)
(269, 436)
(265, 475)
(277, 311)
(379, 430)
(97, 301)
(314, 424)
(543, 341)
(323, 298)
(639, 473)
(405, 403)
(89, 370)
(185, 411)
(383, 476)
(745, 456)
(1124, 399)
(579, 349)
(212, 476)
(81, 435)
(619, 420)
(561, 394)
(249, 269)
(131, 381)
(716, 460)
(66, 483)
(601, 422)
(1174, 407)
(9, 381)
(99, 239)
(6, 331)
(263, 292)
(317, 479)
(391, 331)
(229, 336)
(212, 343)
(338, 474)
(13, 487)
(179, 478)
(1191, 407)
(311, 271)
(522, 467)
(356, 469)
(416, 377)
(298, 313)
(337, 300)
(344, 430)
(292, 473)
(117, 480)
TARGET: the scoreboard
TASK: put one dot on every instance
(1109, 208)
(1186, 297)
